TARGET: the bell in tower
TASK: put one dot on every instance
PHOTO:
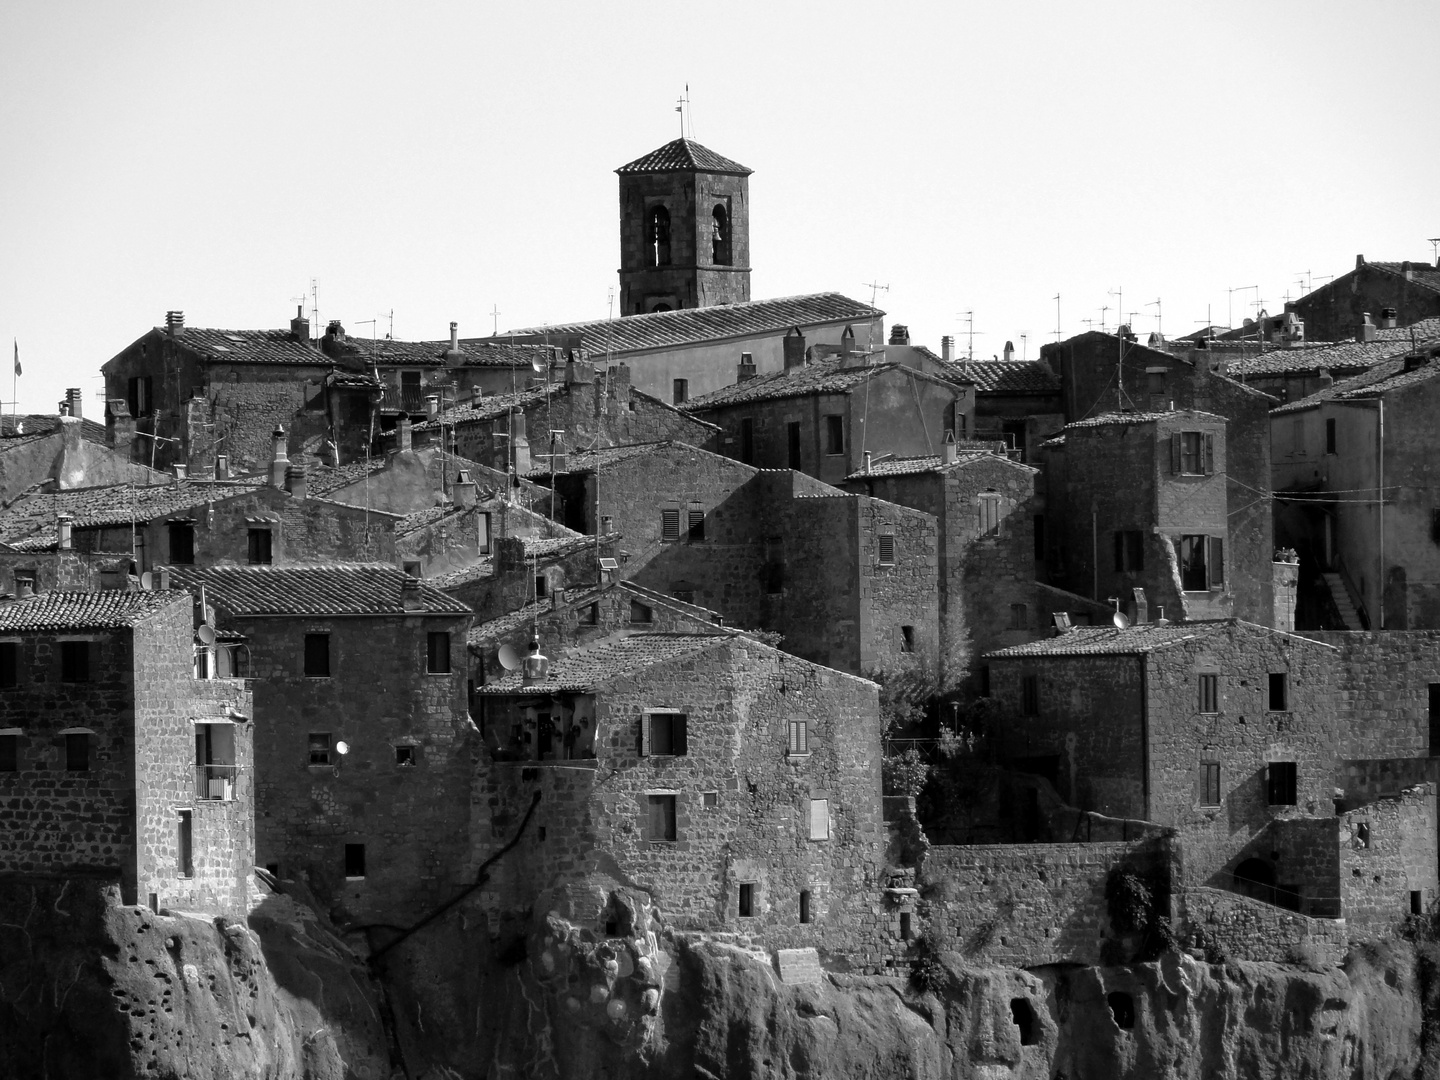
(684, 230)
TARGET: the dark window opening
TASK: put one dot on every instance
(639, 612)
(987, 510)
(9, 753)
(9, 664)
(1023, 1016)
(747, 900)
(804, 905)
(1435, 526)
(1281, 783)
(1210, 783)
(1209, 693)
(437, 652)
(907, 639)
(182, 543)
(1217, 562)
(1417, 902)
(697, 524)
(1129, 551)
(685, 596)
(354, 860)
(1279, 695)
(657, 236)
(1122, 1008)
(542, 587)
(261, 547)
(186, 838)
(1362, 834)
(905, 926)
(1194, 576)
(984, 680)
(405, 755)
(1330, 436)
(1435, 719)
(792, 440)
(319, 748)
(834, 435)
(720, 237)
(680, 391)
(75, 661)
(670, 524)
(317, 656)
(590, 615)
(411, 567)
(661, 822)
(1030, 695)
(141, 399)
(747, 441)
(666, 735)
(1019, 616)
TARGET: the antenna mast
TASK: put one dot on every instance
(1159, 326)
(1057, 316)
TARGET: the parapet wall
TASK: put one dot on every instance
(1254, 930)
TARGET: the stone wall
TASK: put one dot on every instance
(1387, 677)
(1251, 929)
(1387, 857)
(1332, 311)
(1028, 904)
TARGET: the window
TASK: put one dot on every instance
(697, 524)
(1122, 1009)
(317, 656)
(1417, 902)
(1194, 576)
(1435, 719)
(747, 441)
(1281, 777)
(1023, 1015)
(405, 756)
(819, 819)
(1209, 693)
(77, 751)
(9, 753)
(799, 738)
(590, 615)
(1192, 453)
(685, 596)
(639, 612)
(1018, 616)
(670, 524)
(747, 900)
(185, 842)
(834, 435)
(887, 549)
(657, 236)
(660, 824)
(1210, 783)
(906, 926)
(319, 748)
(75, 661)
(260, 547)
(720, 236)
(804, 905)
(1279, 692)
(437, 652)
(710, 799)
(907, 639)
(680, 391)
(988, 511)
(792, 441)
(182, 543)
(1030, 695)
(664, 734)
(1129, 550)
(139, 394)
(1330, 436)
(9, 664)
(542, 587)
(215, 761)
(354, 861)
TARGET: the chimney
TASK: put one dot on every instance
(580, 372)
(1366, 330)
(62, 526)
(296, 481)
(1407, 270)
(1325, 379)
(1009, 351)
(746, 368)
(222, 466)
(279, 459)
(72, 399)
(463, 490)
(300, 326)
(119, 424)
(519, 444)
(867, 462)
(432, 406)
(174, 323)
(794, 346)
(899, 334)
(1387, 322)
(847, 341)
(164, 579)
(455, 338)
(180, 470)
(947, 348)
(402, 434)
(949, 451)
(410, 598)
(476, 393)
(1142, 606)
(1359, 261)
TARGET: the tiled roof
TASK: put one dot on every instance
(249, 346)
(693, 326)
(490, 352)
(1380, 379)
(492, 407)
(388, 351)
(27, 425)
(684, 155)
(1420, 273)
(613, 658)
(1009, 376)
(818, 377)
(1111, 418)
(1101, 640)
(107, 610)
(1339, 358)
(555, 547)
(486, 632)
(332, 589)
(279, 347)
(915, 465)
(463, 575)
(116, 504)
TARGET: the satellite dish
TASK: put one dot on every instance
(538, 363)
(147, 581)
(508, 657)
(342, 748)
(206, 633)
(1120, 621)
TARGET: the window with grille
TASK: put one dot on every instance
(437, 652)
(887, 549)
(1210, 783)
(660, 821)
(670, 524)
(1281, 783)
(1209, 693)
(799, 737)
(1030, 695)
(317, 656)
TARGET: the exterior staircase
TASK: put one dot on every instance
(1343, 604)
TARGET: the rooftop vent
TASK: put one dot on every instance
(174, 323)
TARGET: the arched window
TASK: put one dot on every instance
(720, 237)
(657, 236)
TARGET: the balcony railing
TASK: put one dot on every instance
(215, 782)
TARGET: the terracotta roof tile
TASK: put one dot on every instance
(612, 658)
(107, 610)
(1380, 379)
(1133, 640)
(818, 377)
(1339, 358)
(684, 155)
(1110, 419)
(115, 504)
(332, 589)
(1008, 376)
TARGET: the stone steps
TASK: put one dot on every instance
(1343, 604)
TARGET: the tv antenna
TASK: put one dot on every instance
(875, 290)
(315, 304)
(1103, 310)
(1057, 316)
(1230, 304)
(969, 317)
(1158, 325)
(1024, 348)
(1119, 293)
(1434, 243)
(494, 320)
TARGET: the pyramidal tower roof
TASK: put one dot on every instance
(684, 155)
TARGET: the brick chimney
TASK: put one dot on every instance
(947, 349)
(296, 482)
(174, 323)
(794, 345)
(899, 334)
(279, 458)
(1387, 322)
(746, 368)
(73, 402)
(463, 490)
(402, 434)
(300, 326)
(119, 424)
(410, 598)
(1365, 331)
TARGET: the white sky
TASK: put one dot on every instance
(439, 159)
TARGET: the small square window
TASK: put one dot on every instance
(670, 524)
(1281, 783)
(660, 825)
(75, 661)
(354, 861)
(819, 819)
(317, 656)
(405, 756)
(1279, 696)
(9, 753)
(747, 900)
(1209, 693)
(799, 737)
(1210, 783)
(319, 748)
(77, 752)
(260, 547)
(437, 652)
(710, 799)
(887, 549)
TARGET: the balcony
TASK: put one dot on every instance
(215, 783)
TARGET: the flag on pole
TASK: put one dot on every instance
(17, 356)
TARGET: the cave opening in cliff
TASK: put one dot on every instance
(1024, 1016)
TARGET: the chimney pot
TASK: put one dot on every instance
(947, 348)
(279, 458)
(175, 323)
(300, 326)
(1366, 330)
(899, 334)
(72, 398)
(402, 434)
(410, 598)
(950, 452)
(794, 346)
(432, 406)
(463, 490)
(1388, 319)
(746, 368)
(62, 526)
(222, 466)
(454, 337)
(296, 482)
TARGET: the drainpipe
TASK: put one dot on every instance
(1380, 484)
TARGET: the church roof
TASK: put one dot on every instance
(684, 155)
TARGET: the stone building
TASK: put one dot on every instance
(64, 451)
(823, 417)
(1331, 312)
(684, 230)
(116, 758)
(739, 785)
(1253, 745)
(363, 750)
(1338, 456)
(1017, 402)
(849, 580)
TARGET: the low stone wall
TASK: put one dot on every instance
(1249, 929)
(1027, 904)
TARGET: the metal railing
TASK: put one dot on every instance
(216, 782)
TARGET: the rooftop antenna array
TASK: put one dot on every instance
(969, 317)
(1230, 304)
(875, 290)
(1159, 326)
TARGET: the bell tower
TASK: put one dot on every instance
(684, 230)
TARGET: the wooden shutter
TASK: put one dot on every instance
(1209, 466)
(645, 735)
(679, 739)
(1175, 452)
(670, 524)
(1216, 561)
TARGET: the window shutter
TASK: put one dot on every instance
(645, 735)
(887, 550)
(678, 735)
(1209, 454)
(1217, 560)
(1175, 453)
(670, 524)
